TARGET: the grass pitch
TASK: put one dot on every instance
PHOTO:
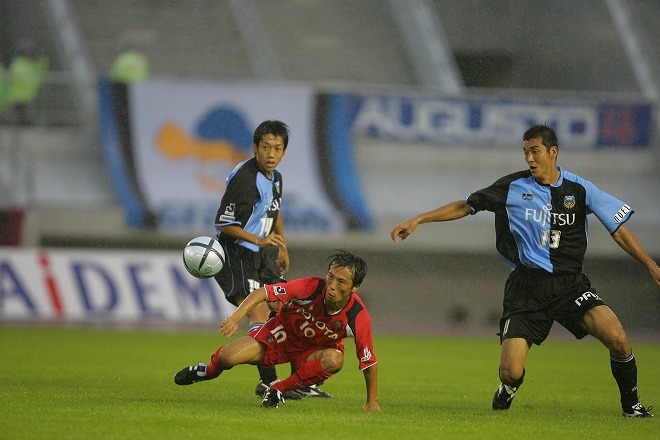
(61, 383)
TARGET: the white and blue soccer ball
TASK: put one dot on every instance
(203, 257)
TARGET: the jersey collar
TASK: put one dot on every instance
(561, 178)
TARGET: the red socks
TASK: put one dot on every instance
(309, 373)
(214, 368)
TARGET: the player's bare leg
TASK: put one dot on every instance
(512, 371)
(244, 350)
(603, 324)
(267, 375)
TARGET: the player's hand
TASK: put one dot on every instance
(272, 240)
(371, 406)
(403, 230)
(283, 262)
(229, 326)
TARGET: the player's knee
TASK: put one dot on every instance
(226, 358)
(222, 358)
(618, 343)
(332, 361)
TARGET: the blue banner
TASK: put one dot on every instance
(499, 122)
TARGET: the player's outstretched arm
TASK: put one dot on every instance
(371, 380)
(229, 326)
(241, 234)
(628, 242)
(450, 211)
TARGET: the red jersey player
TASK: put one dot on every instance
(314, 316)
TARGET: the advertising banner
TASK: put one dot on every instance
(108, 287)
(350, 155)
(187, 137)
(499, 122)
(415, 152)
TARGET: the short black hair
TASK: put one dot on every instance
(276, 128)
(344, 258)
(544, 132)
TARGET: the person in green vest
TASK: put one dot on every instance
(25, 77)
(130, 66)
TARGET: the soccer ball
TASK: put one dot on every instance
(203, 257)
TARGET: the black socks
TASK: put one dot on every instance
(267, 375)
(625, 374)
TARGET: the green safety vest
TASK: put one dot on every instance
(129, 66)
(25, 77)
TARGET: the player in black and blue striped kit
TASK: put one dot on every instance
(248, 222)
(541, 231)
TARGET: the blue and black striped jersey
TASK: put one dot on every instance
(251, 201)
(545, 226)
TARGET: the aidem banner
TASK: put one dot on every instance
(107, 287)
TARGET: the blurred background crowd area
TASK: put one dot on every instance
(56, 190)
(560, 48)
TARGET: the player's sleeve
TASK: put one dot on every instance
(489, 198)
(364, 347)
(611, 211)
(294, 289)
(236, 205)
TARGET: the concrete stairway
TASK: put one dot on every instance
(191, 39)
(316, 42)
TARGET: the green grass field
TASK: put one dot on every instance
(62, 383)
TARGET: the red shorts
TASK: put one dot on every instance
(281, 348)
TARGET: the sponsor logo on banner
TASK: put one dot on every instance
(188, 137)
(106, 286)
(221, 138)
(451, 121)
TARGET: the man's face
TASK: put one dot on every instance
(542, 161)
(339, 286)
(269, 153)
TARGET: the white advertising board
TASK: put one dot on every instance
(132, 287)
(187, 137)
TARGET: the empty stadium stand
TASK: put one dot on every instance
(559, 49)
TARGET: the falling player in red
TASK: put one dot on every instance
(314, 317)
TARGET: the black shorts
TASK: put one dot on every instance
(245, 271)
(533, 300)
